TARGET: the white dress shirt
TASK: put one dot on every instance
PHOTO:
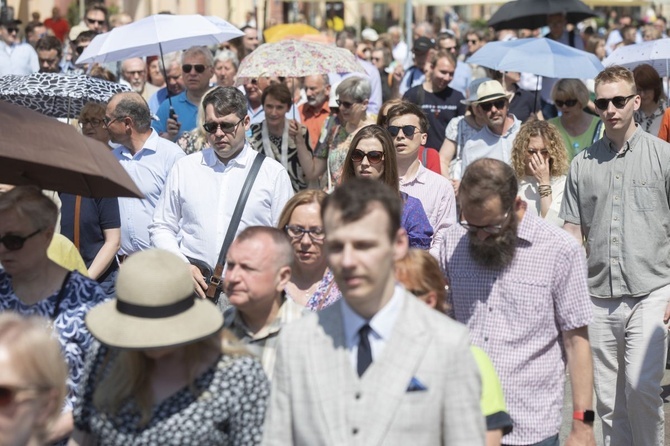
(194, 211)
(381, 325)
(149, 169)
(19, 58)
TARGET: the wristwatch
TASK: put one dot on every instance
(587, 416)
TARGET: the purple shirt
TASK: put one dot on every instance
(516, 315)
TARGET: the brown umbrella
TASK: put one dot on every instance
(36, 149)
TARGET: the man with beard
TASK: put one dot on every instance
(134, 74)
(519, 284)
(49, 53)
(315, 111)
(439, 102)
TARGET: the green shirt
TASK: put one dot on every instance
(575, 144)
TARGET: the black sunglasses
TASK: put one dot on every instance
(374, 156)
(226, 127)
(80, 49)
(618, 101)
(407, 130)
(298, 232)
(345, 104)
(12, 30)
(16, 242)
(499, 104)
(567, 103)
(199, 68)
(98, 22)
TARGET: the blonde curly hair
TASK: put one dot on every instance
(558, 155)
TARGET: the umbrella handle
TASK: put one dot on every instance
(160, 49)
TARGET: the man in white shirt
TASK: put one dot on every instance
(376, 355)
(195, 210)
(15, 57)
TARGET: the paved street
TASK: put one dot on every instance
(567, 412)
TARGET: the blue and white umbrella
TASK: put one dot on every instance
(539, 56)
(654, 52)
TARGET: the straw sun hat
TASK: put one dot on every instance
(490, 91)
(155, 306)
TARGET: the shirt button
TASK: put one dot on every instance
(614, 240)
(616, 198)
(613, 260)
(490, 309)
(354, 431)
(358, 395)
(486, 339)
(616, 218)
(618, 176)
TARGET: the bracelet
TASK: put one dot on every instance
(545, 190)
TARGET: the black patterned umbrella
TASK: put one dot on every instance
(57, 95)
(531, 14)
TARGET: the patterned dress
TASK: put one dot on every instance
(227, 407)
(326, 293)
(79, 294)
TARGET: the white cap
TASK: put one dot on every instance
(370, 35)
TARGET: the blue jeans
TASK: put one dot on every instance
(551, 441)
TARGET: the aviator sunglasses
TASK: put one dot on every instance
(226, 127)
(15, 242)
(617, 101)
(187, 67)
(374, 156)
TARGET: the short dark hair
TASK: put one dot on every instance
(85, 36)
(486, 178)
(408, 108)
(48, 43)
(134, 106)
(97, 7)
(30, 27)
(280, 92)
(443, 54)
(354, 198)
(647, 77)
(226, 100)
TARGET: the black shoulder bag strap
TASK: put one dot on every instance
(215, 280)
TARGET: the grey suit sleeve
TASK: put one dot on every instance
(463, 422)
(278, 428)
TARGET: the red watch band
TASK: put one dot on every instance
(587, 416)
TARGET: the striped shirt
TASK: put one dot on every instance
(517, 315)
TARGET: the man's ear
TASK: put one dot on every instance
(284, 276)
(400, 244)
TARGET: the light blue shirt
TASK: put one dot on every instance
(18, 59)
(486, 144)
(381, 325)
(157, 99)
(187, 114)
(149, 169)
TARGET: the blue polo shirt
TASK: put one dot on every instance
(187, 114)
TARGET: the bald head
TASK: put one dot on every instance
(131, 105)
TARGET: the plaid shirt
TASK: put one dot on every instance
(517, 315)
(263, 344)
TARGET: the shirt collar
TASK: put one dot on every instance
(527, 227)
(628, 145)
(269, 329)
(420, 177)
(325, 109)
(513, 128)
(151, 144)
(381, 323)
(241, 160)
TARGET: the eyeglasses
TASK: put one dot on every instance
(95, 22)
(499, 104)
(108, 121)
(15, 242)
(490, 229)
(617, 101)
(91, 122)
(345, 104)
(8, 393)
(567, 103)
(373, 156)
(187, 67)
(134, 73)
(12, 30)
(407, 130)
(298, 232)
(226, 127)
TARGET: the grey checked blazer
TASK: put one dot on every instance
(318, 399)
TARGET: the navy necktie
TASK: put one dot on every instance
(364, 351)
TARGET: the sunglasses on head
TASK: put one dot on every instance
(374, 156)
(618, 101)
(8, 393)
(226, 127)
(566, 103)
(499, 104)
(199, 68)
(95, 22)
(407, 130)
(16, 242)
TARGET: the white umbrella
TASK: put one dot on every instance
(158, 34)
(654, 52)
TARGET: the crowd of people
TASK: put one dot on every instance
(417, 254)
